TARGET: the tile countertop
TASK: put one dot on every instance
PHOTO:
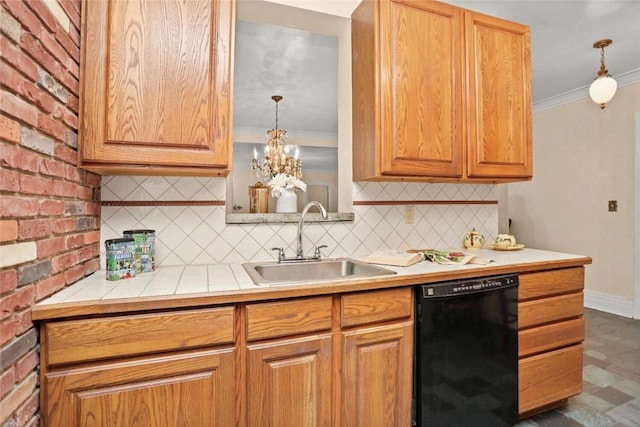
(194, 286)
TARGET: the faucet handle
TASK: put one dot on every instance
(316, 253)
(280, 253)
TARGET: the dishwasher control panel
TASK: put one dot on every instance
(466, 286)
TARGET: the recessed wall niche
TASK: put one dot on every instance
(294, 53)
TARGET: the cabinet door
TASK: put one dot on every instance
(376, 376)
(194, 388)
(422, 81)
(499, 124)
(289, 382)
(155, 86)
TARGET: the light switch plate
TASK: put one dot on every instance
(613, 206)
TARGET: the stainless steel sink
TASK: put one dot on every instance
(289, 273)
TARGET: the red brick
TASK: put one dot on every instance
(21, 298)
(52, 168)
(9, 129)
(35, 184)
(7, 380)
(8, 330)
(93, 179)
(27, 18)
(64, 261)
(74, 241)
(18, 207)
(50, 207)
(23, 319)
(67, 43)
(42, 12)
(73, 103)
(8, 280)
(68, 80)
(62, 152)
(74, 274)
(52, 127)
(65, 189)
(8, 230)
(93, 209)
(70, 118)
(64, 225)
(11, 78)
(88, 252)
(92, 237)
(14, 56)
(91, 266)
(13, 106)
(38, 96)
(49, 286)
(26, 414)
(34, 228)
(51, 246)
(10, 181)
(18, 158)
(72, 173)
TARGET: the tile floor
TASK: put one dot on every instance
(611, 373)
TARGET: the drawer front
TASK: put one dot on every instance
(550, 337)
(549, 377)
(284, 318)
(548, 283)
(378, 306)
(92, 339)
(541, 311)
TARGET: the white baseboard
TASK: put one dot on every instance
(608, 303)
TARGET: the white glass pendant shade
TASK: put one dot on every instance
(602, 90)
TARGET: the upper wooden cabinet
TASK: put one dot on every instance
(155, 94)
(440, 93)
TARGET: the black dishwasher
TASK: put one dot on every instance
(466, 356)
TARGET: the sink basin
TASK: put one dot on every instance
(289, 273)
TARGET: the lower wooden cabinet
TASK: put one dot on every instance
(290, 382)
(550, 336)
(549, 377)
(377, 376)
(193, 388)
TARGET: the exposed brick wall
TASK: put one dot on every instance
(49, 211)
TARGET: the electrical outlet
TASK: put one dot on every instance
(613, 206)
(408, 216)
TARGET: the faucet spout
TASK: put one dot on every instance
(323, 211)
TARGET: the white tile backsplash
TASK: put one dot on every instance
(197, 235)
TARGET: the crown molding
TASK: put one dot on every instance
(624, 79)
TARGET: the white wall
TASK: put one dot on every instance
(583, 157)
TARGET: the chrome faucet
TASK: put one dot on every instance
(323, 211)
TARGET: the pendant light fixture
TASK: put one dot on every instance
(604, 86)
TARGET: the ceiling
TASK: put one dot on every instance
(302, 66)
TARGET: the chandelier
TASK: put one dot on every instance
(276, 159)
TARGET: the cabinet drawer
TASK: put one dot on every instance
(91, 339)
(283, 318)
(540, 311)
(377, 306)
(548, 283)
(549, 377)
(550, 337)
